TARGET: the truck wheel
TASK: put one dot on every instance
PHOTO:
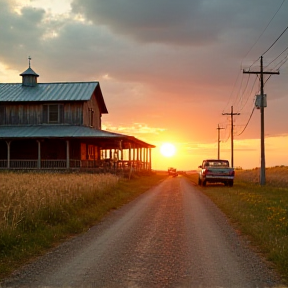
(231, 183)
(199, 181)
(204, 183)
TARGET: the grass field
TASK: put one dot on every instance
(39, 210)
(259, 212)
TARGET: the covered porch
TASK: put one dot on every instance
(72, 148)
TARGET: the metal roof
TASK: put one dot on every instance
(65, 91)
(29, 71)
(63, 131)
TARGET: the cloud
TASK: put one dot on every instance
(142, 19)
(168, 62)
(137, 128)
(191, 22)
(194, 22)
(19, 32)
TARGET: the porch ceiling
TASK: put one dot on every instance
(67, 132)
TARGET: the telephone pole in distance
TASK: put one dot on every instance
(232, 131)
(262, 73)
(219, 128)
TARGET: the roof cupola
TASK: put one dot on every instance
(29, 77)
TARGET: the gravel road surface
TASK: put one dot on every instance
(171, 236)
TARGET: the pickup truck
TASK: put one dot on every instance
(216, 171)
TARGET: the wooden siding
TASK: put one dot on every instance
(32, 114)
(22, 114)
(92, 104)
(73, 113)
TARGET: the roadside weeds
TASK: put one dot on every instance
(260, 213)
(39, 211)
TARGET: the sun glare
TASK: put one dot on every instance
(167, 149)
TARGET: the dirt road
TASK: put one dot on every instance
(171, 236)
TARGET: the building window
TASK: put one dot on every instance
(91, 117)
(2, 114)
(53, 113)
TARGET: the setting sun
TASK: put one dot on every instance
(167, 149)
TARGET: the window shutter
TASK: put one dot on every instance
(2, 114)
(45, 113)
(61, 113)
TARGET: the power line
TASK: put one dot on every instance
(267, 79)
(265, 29)
(234, 86)
(247, 122)
(254, 63)
(249, 94)
(278, 57)
(282, 62)
(275, 41)
(243, 91)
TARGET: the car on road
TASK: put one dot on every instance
(216, 171)
(172, 172)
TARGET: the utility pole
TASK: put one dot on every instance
(219, 128)
(262, 73)
(232, 131)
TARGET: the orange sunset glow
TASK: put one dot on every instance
(167, 149)
(171, 76)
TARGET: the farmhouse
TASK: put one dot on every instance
(58, 126)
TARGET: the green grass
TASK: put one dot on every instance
(259, 212)
(38, 228)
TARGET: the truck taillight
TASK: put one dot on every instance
(232, 173)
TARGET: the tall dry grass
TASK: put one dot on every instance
(37, 210)
(275, 176)
(26, 199)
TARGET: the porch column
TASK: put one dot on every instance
(39, 155)
(122, 154)
(146, 158)
(129, 154)
(117, 159)
(141, 159)
(133, 162)
(137, 158)
(8, 154)
(67, 154)
(150, 159)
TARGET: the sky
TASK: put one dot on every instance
(168, 70)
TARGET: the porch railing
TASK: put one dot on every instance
(53, 164)
(3, 164)
(104, 165)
